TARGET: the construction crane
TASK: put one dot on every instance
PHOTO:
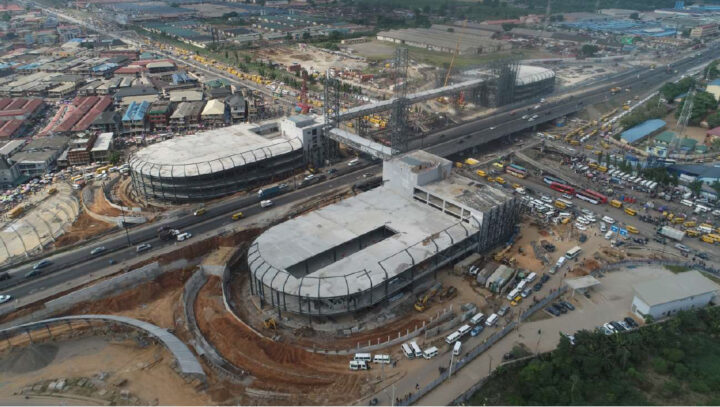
(444, 99)
(303, 104)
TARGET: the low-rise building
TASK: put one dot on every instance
(238, 108)
(134, 118)
(187, 115)
(704, 31)
(39, 155)
(668, 295)
(100, 151)
(79, 150)
(107, 122)
(215, 113)
(159, 114)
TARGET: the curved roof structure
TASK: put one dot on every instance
(187, 362)
(210, 152)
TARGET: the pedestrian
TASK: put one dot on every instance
(417, 386)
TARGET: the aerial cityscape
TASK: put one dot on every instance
(359, 202)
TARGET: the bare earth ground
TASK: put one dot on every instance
(89, 356)
(83, 228)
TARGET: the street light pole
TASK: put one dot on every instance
(452, 356)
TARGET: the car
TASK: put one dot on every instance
(97, 250)
(5, 298)
(609, 327)
(526, 293)
(309, 177)
(143, 247)
(5, 276)
(32, 273)
(553, 311)
(41, 264)
(525, 117)
(580, 226)
(567, 305)
(544, 279)
(618, 327)
(537, 287)
(603, 228)
(703, 256)
(331, 171)
(477, 330)
(608, 220)
(111, 262)
(492, 128)
(630, 322)
(503, 310)
(559, 307)
(681, 247)
(546, 199)
(587, 212)
(624, 325)
(567, 196)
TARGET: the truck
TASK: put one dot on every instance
(271, 191)
(16, 212)
(166, 233)
(672, 233)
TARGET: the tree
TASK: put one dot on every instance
(114, 157)
(695, 187)
(714, 120)
(247, 59)
(305, 35)
(5, 16)
(703, 102)
(716, 186)
(635, 16)
(589, 50)
(508, 26)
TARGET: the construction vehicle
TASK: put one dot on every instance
(421, 303)
(16, 212)
(499, 256)
(461, 98)
(270, 323)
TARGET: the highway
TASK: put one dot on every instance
(506, 120)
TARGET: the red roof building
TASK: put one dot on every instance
(19, 108)
(10, 128)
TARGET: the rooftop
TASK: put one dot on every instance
(213, 151)
(642, 130)
(674, 287)
(103, 142)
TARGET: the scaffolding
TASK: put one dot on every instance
(505, 72)
(398, 120)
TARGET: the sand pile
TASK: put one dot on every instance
(29, 359)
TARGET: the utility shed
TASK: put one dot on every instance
(665, 296)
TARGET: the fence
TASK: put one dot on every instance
(203, 348)
(479, 350)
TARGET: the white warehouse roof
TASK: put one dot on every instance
(675, 287)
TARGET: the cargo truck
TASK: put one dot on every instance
(271, 191)
(672, 233)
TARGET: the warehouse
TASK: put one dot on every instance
(219, 162)
(437, 38)
(373, 246)
(668, 295)
(645, 129)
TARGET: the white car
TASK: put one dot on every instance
(580, 226)
(567, 196)
(546, 198)
(608, 220)
(586, 212)
(603, 228)
(5, 298)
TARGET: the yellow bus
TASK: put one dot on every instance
(238, 215)
(560, 205)
(714, 237)
(690, 224)
(500, 180)
(707, 239)
(692, 233)
(616, 203)
(602, 168)
(481, 173)
(630, 211)
(632, 229)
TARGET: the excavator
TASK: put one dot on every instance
(422, 301)
(270, 324)
(500, 256)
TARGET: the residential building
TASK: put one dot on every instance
(704, 31)
(79, 150)
(215, 113)
(107, 122)
(158, 114)
(100, 151)
(187, 115)
(39, 155)
(238, 108)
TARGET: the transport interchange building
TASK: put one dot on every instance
(375, 246)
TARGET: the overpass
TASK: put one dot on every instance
(376, 107)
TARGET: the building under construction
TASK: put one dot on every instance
(220, 162)
(377, 245)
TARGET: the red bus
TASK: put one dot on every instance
(591, 196)
(566, 189)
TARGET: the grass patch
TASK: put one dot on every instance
(677, 269)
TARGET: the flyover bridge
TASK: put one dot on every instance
(383, 105)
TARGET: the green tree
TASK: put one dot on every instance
(114, 157)
(589, 50)
(713, 120)
(716, 186)
(247, 59)
(508, 26)
(635, 16)
(703, 102)
(306, 35)
(5, 16)
(695, 187)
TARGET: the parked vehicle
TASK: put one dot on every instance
(41, 264)
(143, 247)
(97, 250)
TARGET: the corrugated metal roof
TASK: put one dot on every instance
(213, 108)
(642, 130)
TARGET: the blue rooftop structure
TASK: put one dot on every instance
(715, 82)
(642, 130)
(136, 111)
(104, 67)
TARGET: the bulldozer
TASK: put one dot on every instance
(422, 301)
(270, 324)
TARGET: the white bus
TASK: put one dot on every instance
(416, 349)
(492, 319)
(363, 357)
(573, 253)
(464, 330)
(450, 339)
(430, 352)
(478, 318)
(358, 365)
(384, 359)
(514, 293)
(457, 348)
(531, 277)
(407, 351)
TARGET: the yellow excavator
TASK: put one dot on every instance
(270, 323)
(422, 301)
(499, 256)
